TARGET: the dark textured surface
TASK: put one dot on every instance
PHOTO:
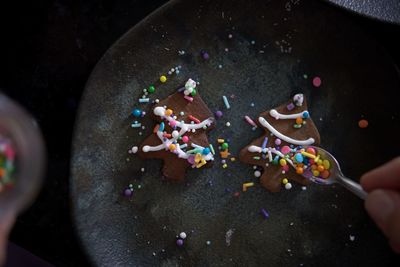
(385, 10)
(309, 227)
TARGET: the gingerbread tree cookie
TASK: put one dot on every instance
(180, 138)
(281, 152)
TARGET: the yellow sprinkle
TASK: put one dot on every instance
(163, 79)
(282, 162)
(317, 158)
(202, 163)
(285, 181)
(315, 173)
(246, 185)
(233, 159)
(225, 166)
(308, 155)
(221, 141)
(326, 164)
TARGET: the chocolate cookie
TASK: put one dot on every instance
(180, 138)
(279, 152)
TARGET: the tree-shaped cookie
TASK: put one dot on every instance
(180, 137)
(280, 152)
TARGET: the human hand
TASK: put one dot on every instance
(383, 200)
(6, 223)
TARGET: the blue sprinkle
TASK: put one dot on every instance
(226, 102)
(162, 126)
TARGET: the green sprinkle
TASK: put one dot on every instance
(212, 149)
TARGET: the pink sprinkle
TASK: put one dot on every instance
(317, 81)
(185, 139)
(188, 98)
(172, 123)
(10, 153)
(285, 168)
(285, 150)
(250, 121)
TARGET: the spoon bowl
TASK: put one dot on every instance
(336, 175)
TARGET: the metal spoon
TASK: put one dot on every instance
(336, 175)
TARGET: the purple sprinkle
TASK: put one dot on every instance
(264, 213)
(205, 55)
(128, 192)
(290, 106)
(181, 89)
(228, 190)
(265, 142)
(179, 242)
(218, 114)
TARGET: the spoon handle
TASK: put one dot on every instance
(352, 186)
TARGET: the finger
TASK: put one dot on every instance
(386, 176)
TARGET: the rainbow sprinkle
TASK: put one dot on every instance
(7, 167)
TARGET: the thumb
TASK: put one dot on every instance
(6, 223)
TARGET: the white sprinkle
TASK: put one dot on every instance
(288, 186)
(352, 237)
(142, 169)
(257, 174)
(134, 149)
(228, 124)
(303, 188)
(182, 235)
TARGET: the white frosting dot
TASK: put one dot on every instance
(159, 111)
(175, 134)
(146, 148)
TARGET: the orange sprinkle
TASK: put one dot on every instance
(320, 168)
(325, 174)
(155, 130)
(192, 118)
(363, 124)
(299, 120)
(299, 170)
(167, 135)
(313, 167)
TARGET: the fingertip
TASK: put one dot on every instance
(365, 181)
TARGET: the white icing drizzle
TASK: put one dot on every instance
(185, 127)
(274, 113)
(285, 138)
